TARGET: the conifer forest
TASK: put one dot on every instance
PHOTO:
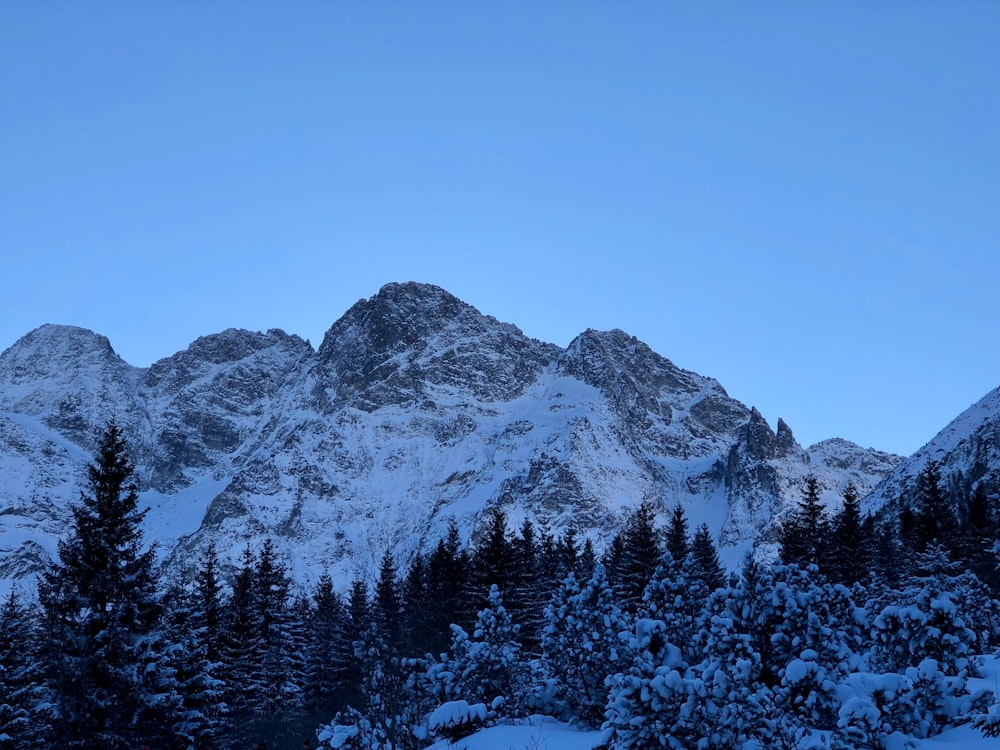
(865, 633)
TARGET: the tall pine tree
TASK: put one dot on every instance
(103, 653)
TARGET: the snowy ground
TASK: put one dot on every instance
(543, 733)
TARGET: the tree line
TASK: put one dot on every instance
(651, 633)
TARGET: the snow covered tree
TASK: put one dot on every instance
(645, 702)
(488, 667)
(583, 643)
(201, 715)
(677, 595)
(103, 651)
(21, 725)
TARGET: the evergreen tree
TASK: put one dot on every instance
(388, 608)
(494, 558)
(21, 725)
(677, 534)
(241, 647)
(979, 533)
(416, 619)
(329, 652)
(488, 666)
(706, 559)
(640, 554)
(104, 655)
(934, 519)
(529, 590)
(448, 590)
(803, 534)
(583, 643)
(849, 559)
(201, 719)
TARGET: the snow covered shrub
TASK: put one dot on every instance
(878, 709)
(645, 702)
(794, 619)
(350, 730)
(677, 595)
(929, 628)
(457, 719)
(583, 642)
(727, 705)
(488, 667)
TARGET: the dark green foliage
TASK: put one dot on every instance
(103, 652)
(448, 591)
(935, 520)
(328, 653)
(388, 608)
(705, 557)
(677, 534)
(639, 555)
(21, 725)
(803, 534)
(849, 559)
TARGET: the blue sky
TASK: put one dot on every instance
(798, 199)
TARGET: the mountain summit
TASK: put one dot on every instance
(415, 409)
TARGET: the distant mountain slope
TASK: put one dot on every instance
(967, 450)
(416, 408)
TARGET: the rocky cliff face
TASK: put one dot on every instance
(415, 409)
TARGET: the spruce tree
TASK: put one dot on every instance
(935, 520)
(803, 534)
(448, 590)
(677, 534)
(103, 651)
(706, 559)
(329, 652)
(640, 554)
(21, 692)
(850, 556)
(388, 607)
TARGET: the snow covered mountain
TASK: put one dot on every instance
(415, 409)
(967, 451)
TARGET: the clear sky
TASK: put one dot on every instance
(801, 200)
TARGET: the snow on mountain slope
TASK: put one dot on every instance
(967, 450)
(415, 409)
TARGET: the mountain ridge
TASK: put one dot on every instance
(415, 408)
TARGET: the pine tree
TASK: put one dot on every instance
(640, 554)
(494, 557)
(103, 651)
(488, 667)
(201, 719)
(448, 590)
(416, 618)
(582, 644)
(850, 558)
(21, 725)
(388, 609)
(934, 519)
(677, 534)
(803, 534)
(240, 645)
(328, 654)
(706, 558)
